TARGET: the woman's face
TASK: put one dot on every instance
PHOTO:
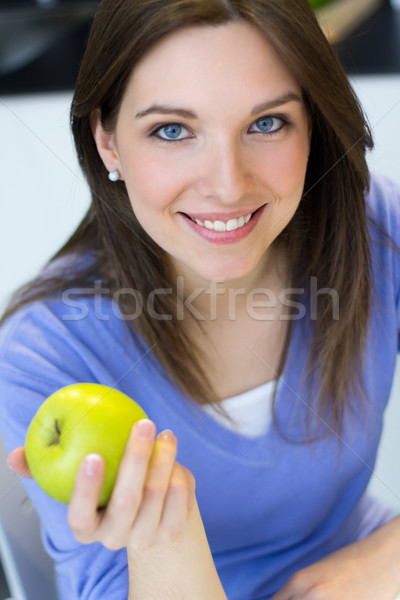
(212, 140)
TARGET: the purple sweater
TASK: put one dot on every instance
(269, 507)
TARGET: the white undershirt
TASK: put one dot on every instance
(250, 411)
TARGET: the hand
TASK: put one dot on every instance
(152, 511)
(365, 570)
(152, 498)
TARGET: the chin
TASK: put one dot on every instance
(224, 269)
(231, 273)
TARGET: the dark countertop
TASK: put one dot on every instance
(54, 71)
(374, 48)
(41, 45)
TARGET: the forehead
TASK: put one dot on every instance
(222, 60)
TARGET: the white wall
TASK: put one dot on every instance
(43, 197)
(42, 193)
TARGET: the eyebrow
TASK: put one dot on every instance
(165, 109)
(284, 99)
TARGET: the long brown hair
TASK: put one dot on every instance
(329, 226)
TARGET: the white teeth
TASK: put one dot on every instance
(219, 226)
(231, 225)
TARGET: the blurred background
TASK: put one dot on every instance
(42, 193)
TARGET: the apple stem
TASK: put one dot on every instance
(57, 427)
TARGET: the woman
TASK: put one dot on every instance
(230, 276)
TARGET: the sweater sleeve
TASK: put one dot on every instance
(38, 355)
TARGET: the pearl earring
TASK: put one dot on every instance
(113, 176)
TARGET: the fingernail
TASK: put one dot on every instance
(167, 435)
(92, 464)
(145, 428)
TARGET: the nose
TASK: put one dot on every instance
(227, 174)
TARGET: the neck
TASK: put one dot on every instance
(221, 299)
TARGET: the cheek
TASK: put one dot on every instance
(291, 163)
(284, 166)
(284, 177)
(151, 182)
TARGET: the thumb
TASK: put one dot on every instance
(17, 461)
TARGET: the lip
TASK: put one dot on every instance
(224, 237)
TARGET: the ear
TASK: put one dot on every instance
(105, 144)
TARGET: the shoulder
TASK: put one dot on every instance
(383, 205)
(77, 333)
(383, 210)
(39, 353)
(56, 342)
(44, 348)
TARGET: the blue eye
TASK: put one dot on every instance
(172, 132)
(267, 125)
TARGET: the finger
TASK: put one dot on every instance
(295, 589)
(145, 528)
(176, 507)
(286, 594)
(17, 461)
(83, 516)
(127, 494)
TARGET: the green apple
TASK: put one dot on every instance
(77, 420)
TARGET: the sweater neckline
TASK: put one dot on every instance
(207, 431)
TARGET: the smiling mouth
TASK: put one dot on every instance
(221, 226)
